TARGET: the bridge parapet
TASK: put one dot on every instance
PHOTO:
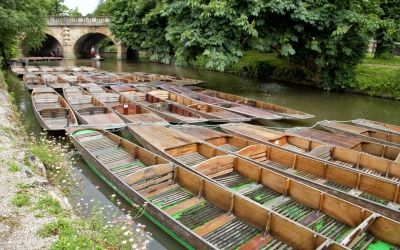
(78, 21)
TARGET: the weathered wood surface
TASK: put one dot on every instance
(51, 110)
(377, 125)
(204, 214)
(368, 134)
(344, 141)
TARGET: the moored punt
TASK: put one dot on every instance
(71, 79)
(18, 70)
(202, 213)
(211, 113)
(337, 219)
(33, 81)
(166, 78)
(377, 149)
(378, 193)
(32, 69)
(90, 111)
(242, 109)
(225, 142)
(52, 80)
(286, 113)
(368, 134)
(377, 125)
(128, 110)
(51, 110)
(173, 145)
(170, 112)
(345, 157)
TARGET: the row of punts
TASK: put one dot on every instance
(239, 187)
(106, 100)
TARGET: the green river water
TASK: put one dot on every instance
(324, 105)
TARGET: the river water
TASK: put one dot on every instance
(324, 105)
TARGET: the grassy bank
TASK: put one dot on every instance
(376, 77)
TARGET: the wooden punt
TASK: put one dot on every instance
(166, 78)
(211, 113)
(368, 134)
(128, 110)
(170, 112)
(241, 109)
(377, 149)
(204, 214)
(32, 69)
(90, 111)
(225, 142)
(313, 148)
(51, 110)
(377, 125)
(33, 81)
(18, 70)
(286, 113)
(173, 145)
(325, 214)
(355, 184)
(45, 69)
(71, 79)
(53, 81)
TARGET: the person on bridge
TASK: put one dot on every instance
(93, 51)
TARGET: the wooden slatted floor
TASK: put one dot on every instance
(229, 147)
(191, 159)
(232, 235)
(293, 148)
(119, 161)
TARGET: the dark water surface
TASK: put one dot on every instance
(324, 105)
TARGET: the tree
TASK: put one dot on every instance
(138, 24)
(389, 29)
(74, 12)
(56, 7)
(21, 20)
(325, 39)
(103, 8)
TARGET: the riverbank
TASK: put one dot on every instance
(36, 177)
(374, 77)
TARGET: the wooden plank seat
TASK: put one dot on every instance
(92, 110)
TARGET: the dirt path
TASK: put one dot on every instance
(20, 188)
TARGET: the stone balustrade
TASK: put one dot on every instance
(78, 21)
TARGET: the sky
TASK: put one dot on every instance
(84, 6)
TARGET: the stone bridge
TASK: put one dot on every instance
(73, 37)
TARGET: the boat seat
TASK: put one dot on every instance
(323, 152)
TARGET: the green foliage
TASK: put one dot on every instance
(21, 199)
(56, 7)
(103, 8)
(389, 28)
(21, 20)
(377, 80)
(49, 205)
(13, 167)
(74, 12)
(89, 233)
(324, 39)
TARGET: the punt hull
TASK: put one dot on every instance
(334, 129)
(188, 239)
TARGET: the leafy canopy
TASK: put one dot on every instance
(21, 19)
(324, 38)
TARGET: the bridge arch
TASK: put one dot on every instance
(84, 43)
(51, 46)
(78, 34)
